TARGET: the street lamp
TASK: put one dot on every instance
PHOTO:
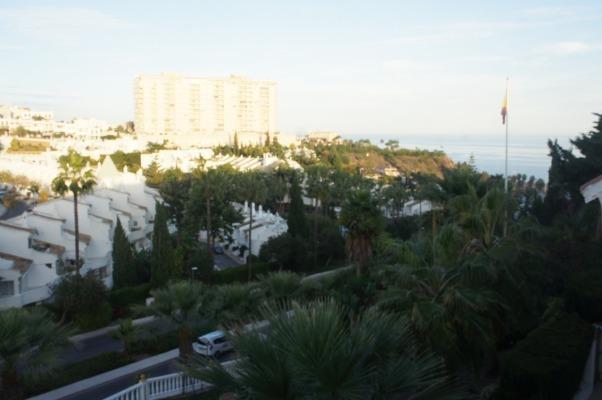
(194, 269)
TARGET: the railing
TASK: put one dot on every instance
(162, 387)
(165, 386)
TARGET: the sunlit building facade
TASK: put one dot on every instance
(171, 104)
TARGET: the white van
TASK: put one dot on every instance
(212, 344)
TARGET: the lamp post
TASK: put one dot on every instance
(194, 269)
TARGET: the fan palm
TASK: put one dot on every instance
(481, 216)
(362, 216)
(316, 352)
(76, 178)
(280, 285)
(446, 301)
(237, 301)
(183, 304)
(29, 341)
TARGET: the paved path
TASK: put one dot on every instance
(223, 261)
(92, 344)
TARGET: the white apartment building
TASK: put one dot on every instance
(188, 160)
(83, 128)
(13, 117)
(171, 104)
(43, 121)
(38, 247)
(266, 225)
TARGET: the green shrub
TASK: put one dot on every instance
(584, 294)
(83, 300)
(201, 259)
(94, 319)
(70, 373)
(122, 298)
(156, 344)
(241, 273)
(549, 362)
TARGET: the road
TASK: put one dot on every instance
(91, 347)
(222, 261)
(102, 391)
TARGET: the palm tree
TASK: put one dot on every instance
(183, 304)
(252, 189)
(29, 341)
(126, 332)
(362, 216)
(395, 195)
(315, 351)
(74, 177)
(209, 189)
(237, 302)
(318, 188)
(483, 216)
(280, 285)
(446, 301)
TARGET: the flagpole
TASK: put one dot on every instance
(506, 164)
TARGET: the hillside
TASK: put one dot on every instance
(371, 159)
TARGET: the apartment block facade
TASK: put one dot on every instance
(171, 104)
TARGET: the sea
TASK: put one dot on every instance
(527, 155)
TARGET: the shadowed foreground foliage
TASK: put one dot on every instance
(319, 351)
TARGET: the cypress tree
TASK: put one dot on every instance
(162, 252)
(153, 175)
(236, 144)
(124, 269)
(297, 222)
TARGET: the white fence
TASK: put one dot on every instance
(162, 387)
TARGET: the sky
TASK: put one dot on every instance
(369, 68)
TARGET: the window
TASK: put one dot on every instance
(219, 340)
(7, 288)
(101, 272)
(49, 266)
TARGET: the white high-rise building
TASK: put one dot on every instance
(171, 104)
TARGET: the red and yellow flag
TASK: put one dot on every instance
(505, 104)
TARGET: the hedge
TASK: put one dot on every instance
(156, 344)
(67, 374)
(124, 297)
(584, 294)
(241, 273)
(549, 362)
(94, 319)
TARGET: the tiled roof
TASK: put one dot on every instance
(82, 236)
(591, 182)
(47, 216)
(21, 264)
(18, 227)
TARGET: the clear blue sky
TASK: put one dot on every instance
(359, 67)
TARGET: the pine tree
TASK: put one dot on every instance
(162, 256)
(297, 222)
(124, 269)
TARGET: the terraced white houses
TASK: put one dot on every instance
(37, 248)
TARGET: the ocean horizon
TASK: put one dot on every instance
(526, 154)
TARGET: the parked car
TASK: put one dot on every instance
(213, 344)
(218, 249)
